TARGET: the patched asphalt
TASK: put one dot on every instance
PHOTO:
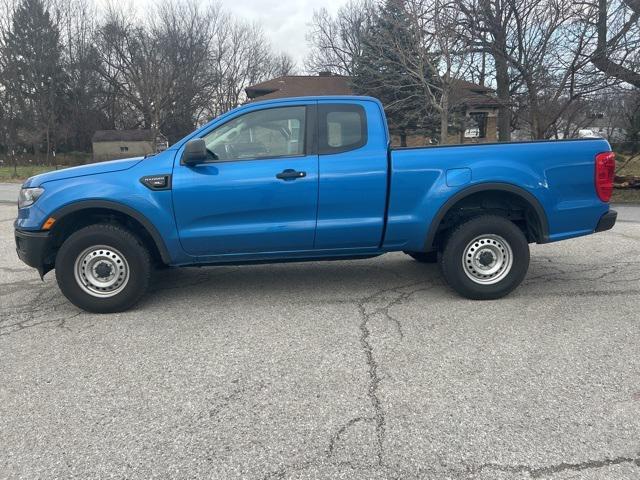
(365, 369)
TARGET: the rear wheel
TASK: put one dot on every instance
(485, 258)
(103, 268)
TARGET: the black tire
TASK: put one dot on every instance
(492, 230)
(424, 257)
(124, 247)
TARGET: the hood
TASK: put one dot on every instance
(81, 171)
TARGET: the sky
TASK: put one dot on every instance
(284, 21)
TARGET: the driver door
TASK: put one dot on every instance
(258, 193)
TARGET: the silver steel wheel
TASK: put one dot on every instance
(101, 271)
(487, 259)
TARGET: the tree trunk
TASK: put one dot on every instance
(601, 56)
(504, 98)
(444, 117)
(48, 160)
(537, 130)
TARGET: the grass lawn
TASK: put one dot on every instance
(626, 195)
(631, 168)
(621, 195)
(7, 173)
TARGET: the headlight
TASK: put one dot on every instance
(28, 196)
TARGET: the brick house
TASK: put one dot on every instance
(475, 107)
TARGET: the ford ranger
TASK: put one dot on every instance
(310, 178)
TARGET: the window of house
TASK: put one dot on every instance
(274, 132)
(477, 125)
(124, 149)
(342, 128)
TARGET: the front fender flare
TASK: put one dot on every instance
(124, 209)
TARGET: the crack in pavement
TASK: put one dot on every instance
(372, 364)
(374, 381)
(537, 472)
(40, 309)
(59, 322)
(402, 297)
(336, 437)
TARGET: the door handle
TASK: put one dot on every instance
(290, 174)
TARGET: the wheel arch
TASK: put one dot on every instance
(525, 196)
(121, 210)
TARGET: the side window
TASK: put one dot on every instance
(274, 132)
(342, 128)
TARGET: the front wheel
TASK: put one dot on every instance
(103, 268)
(485, 258)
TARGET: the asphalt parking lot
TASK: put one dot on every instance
(353, 369)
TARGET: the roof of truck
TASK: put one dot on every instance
(307, 98)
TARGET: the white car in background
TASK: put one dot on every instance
(588, 134)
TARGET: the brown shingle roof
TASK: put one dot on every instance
(465, 93)
(124, 136)
(299, 86)
(474, 87)
(470, 95)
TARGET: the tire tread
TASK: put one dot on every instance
(99, 305)
(455, 276)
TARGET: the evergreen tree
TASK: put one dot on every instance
(395, 68)
(33, 76)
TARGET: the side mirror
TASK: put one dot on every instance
(195, 152)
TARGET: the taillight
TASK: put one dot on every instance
(605, 171)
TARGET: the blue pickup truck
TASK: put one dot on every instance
(310, 178)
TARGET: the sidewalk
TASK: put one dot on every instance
(9, 192)
(627, 212)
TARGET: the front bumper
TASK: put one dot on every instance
(33, 249)
(607, 221)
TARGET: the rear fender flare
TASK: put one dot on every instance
(483, 187)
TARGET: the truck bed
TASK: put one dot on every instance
(559, 174)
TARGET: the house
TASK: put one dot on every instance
(474, 107)
(324, 83)
(475, 113)
(113, 144)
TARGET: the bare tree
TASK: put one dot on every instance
(337, 40)
(186, 33)
(617, 51)
(83, 111)
(398, 66)
(282, 65)
(540, 52)
(442, 50)
(487, 26)
(241, 57)
(551, 59)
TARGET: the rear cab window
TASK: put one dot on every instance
(342, 128)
